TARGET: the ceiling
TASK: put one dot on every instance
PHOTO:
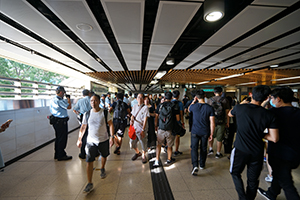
(126, 42)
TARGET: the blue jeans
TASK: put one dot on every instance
(195, 139)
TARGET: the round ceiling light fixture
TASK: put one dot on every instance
(213, 10)
(84, 27)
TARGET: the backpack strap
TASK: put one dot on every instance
(107, 126)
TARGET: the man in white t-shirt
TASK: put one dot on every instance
(139, 117)
(98, 140)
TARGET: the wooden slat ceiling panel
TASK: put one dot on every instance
(263, 76)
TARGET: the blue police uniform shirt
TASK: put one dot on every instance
(83, 105)
(58, 107)
(107, 100)
(103, 104)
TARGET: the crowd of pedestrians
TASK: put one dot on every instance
(241, 127)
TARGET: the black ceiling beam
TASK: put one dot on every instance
(150, 13)
(268, 22)
(198, 31)
(47, 13)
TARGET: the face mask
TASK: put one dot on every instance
(273, 105)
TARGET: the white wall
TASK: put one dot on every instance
(30, 128)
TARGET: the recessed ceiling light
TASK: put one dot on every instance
(170, 61)
(213, 10)
(213, 16)
(273, 66)
(84, 27)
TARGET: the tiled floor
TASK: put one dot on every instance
(38, 176)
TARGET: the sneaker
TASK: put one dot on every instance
(176, 153)
(210, 152)
(195, 171)
(202, 167)
(219, 155)
(88, 188)
(166, 149)
(117, 150)
(144, 160)
(170, 162)
(263, 193)
(82, 156)
(103, 174)
(269, 178)
(136, 156)
(156, 163)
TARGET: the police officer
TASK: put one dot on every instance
(82, 106)
(58, 108)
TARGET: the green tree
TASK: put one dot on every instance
(12, 69)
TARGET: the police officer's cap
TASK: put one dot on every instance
(61, 88)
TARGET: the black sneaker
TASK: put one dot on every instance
(170, 162)
(82, 156)
(103, 173)
(264, 193)
(135, 156)
(176, 153)
(210, 152)
(219, 155)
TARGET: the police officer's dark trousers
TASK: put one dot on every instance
(61, 137)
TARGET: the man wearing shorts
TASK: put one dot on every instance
(139, 117)
(98, 141)
(121, 110)
(165, 131)
(220, 124)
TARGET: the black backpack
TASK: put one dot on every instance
(166, 116)
(120, 111)
(219, 111)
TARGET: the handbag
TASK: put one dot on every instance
(131, 132)
(52, 119)
(178, 130)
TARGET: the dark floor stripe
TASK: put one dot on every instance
(160, 183)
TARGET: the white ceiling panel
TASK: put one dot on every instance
(202, 65)
(225, 54)
(290, 66)
(105, 52)
(68, 12)
(19, 55)
(285, 24)
(73, 49)
(132, 53)
(133, 64)
(126, 18)
(258, 15)
(250, 54)
(157, 54)
(15, 35)
(29, 17)
(275, 55)
(275, 2)
(169, 23)
(197, 55)
(291, 39)
(238, 66)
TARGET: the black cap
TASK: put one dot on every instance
(61, 88)
(103, 95)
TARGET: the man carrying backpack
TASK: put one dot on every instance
(221, 107)
(168, 115)
(121, 110)
(98, 140)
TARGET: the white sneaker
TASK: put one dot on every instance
(195, 171)
(269, 178)
(156, 163)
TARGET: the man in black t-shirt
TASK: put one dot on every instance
(203, 129)
(284, 155)
(252, 120)
(120, 123)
